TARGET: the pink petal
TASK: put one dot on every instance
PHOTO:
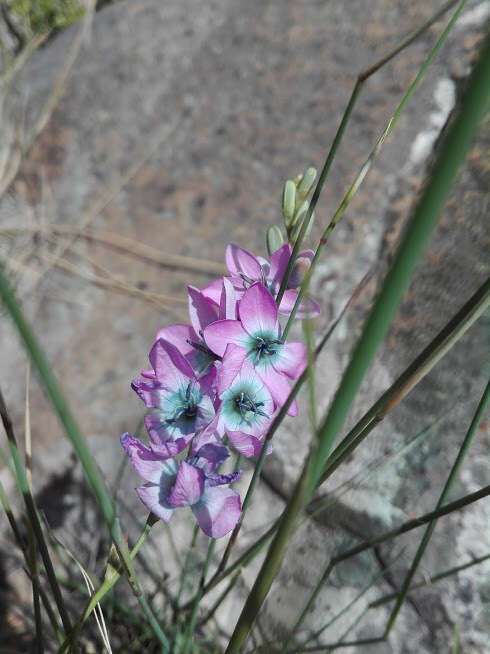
(258, 311)
(149, 494)
(150, 391)
(222, 332)
(171, 368)
(278, 386)
(178, 335)
(247, 444)
(208, 435)
(214, 455)
(228, 301)
(213, 291)
(188, 487)
(218, 511)
(239, 260)
(291, 359)
(307, 309)
(201, 310)
(149, 374)
(146, 463)
(231, 365)
(279, 263)
(161, 442)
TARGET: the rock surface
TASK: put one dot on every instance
(220, 106)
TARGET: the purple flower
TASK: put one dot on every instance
(246, 269)
(188, 338)
(185, 403)
(191, 482)
(258, 332)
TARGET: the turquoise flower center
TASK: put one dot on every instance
(184, 404)
(263, 348)
(243, 405)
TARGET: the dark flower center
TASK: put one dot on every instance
(244, 404)
(188, 407)
(266, 346)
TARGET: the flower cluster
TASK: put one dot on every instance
(217, 380)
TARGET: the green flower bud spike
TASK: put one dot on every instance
(274, 239)
(288, 202)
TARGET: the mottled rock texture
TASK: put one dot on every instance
(229, 100)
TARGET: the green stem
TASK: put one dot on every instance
(273, 559)
(109, 582)
(23, 548)
(364, 169)
(199, 594)
(185, 570)
(220, 600)
(362, 77)
(374, 578)
(442, 499)
(430, 580)
(23, 486)
(35, 590)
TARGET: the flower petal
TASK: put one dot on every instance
(247, 444)
(164, 441)
(218, 511)
(278, 386)
(239, 260)
(208, 435)
(179, 335)
(220, 333)
(291, 359)
(213, 291)
(188, 487)
(170, 367)
(151, 392)
(278, 265)
(231, 365)
(213, 454)
(201, 310)
(258, 311)
(149, 494)
(145, 461)
(228, 301)
(221, 480)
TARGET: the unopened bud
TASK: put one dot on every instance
(299, 213)
(307, 182)
(288, 201)
(300, 268)
(274, 239)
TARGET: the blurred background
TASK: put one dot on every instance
(136, 141)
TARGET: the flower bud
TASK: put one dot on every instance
(299, 213)
(274, 239)
(300, 268)
(288, 201)
(307, 181)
